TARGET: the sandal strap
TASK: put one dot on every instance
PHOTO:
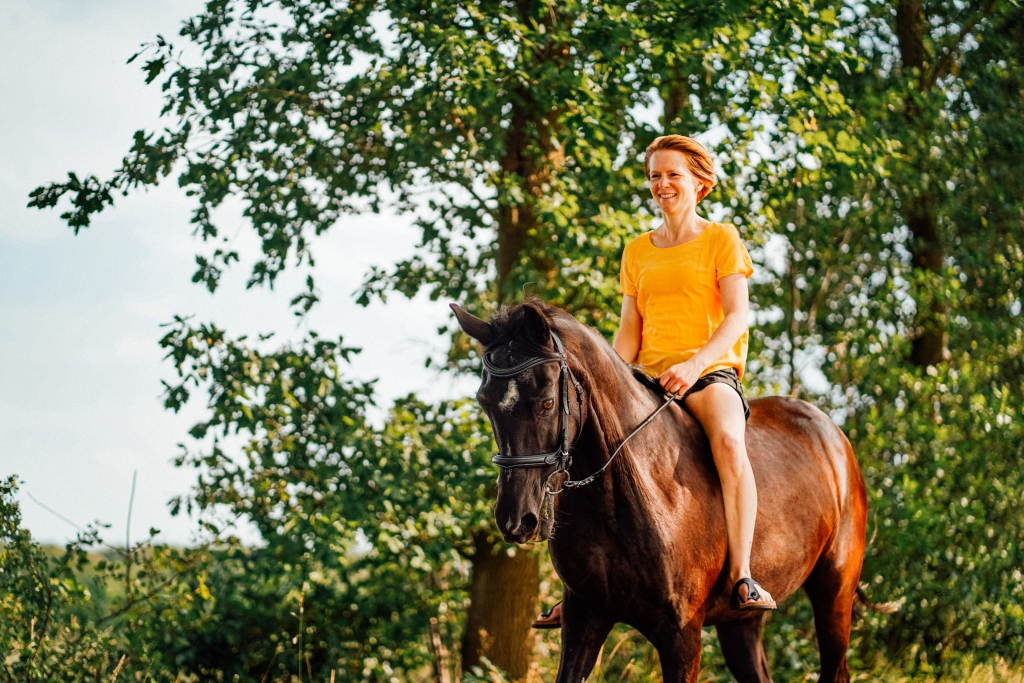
(753, 592)
(545, 615)
(752, 586)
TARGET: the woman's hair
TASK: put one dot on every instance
(700, 163)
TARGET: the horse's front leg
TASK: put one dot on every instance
(584, 630)
(679, 651)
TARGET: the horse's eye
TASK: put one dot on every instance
(548, 404)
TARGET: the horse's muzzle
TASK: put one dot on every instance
(521, 530)
(517, 508)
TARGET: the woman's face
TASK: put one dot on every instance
(673, 187)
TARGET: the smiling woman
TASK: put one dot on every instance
(694, 158)
(684, 318)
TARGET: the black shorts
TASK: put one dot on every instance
(728, 376)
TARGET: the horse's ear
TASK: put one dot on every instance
(473, 326)
(535, 325)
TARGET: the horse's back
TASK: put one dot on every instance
(787, 434)
(809, 488)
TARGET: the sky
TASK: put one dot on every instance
(81, 316)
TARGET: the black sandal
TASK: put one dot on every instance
(550, 619)
(749, 595)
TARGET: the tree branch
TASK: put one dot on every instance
(812, 312)
(945, 63)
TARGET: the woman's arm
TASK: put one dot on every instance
(682, 376)
(627, 339)
(734, 306)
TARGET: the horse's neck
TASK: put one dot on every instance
(617, 404)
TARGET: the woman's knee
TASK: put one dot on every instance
(730, 456)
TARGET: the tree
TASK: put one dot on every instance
(501, 124)
(78, 614)
(870, 154)
(380, 524)
(893, 221)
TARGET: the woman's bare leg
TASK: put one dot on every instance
(720, 411)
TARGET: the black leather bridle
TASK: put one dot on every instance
(560, 456)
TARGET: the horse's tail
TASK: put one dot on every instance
(882, 608)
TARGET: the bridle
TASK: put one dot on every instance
(561, 455)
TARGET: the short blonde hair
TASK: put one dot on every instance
(700, 163)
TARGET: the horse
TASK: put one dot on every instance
(644, 542)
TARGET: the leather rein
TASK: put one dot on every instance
(560, 456)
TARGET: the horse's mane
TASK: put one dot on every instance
(650, 383)
(510, 344)
(508, 321)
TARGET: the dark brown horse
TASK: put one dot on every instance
(645, 542)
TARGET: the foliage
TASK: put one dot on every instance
(894, 262)
(508, 129)
(356, 599)
(36, 592)
(74, 615)
(871, 155)
(378, 522)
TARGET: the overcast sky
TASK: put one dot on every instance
(80, 317)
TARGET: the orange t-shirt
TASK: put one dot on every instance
(679, 298)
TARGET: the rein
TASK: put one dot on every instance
(560, 456)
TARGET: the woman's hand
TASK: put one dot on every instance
(680, 377)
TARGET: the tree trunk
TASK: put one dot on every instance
(503, 589)
(927, 253)
(514, 220)
(910, 34)
(676, 102)
(503, 602)
(929, 344)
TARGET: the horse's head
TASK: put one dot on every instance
(525, 411)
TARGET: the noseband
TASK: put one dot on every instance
(560, 456)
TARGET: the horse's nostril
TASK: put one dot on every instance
(528, 523)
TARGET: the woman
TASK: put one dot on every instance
(684, 319)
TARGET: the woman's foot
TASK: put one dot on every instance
(748, 595)
(550, 619)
